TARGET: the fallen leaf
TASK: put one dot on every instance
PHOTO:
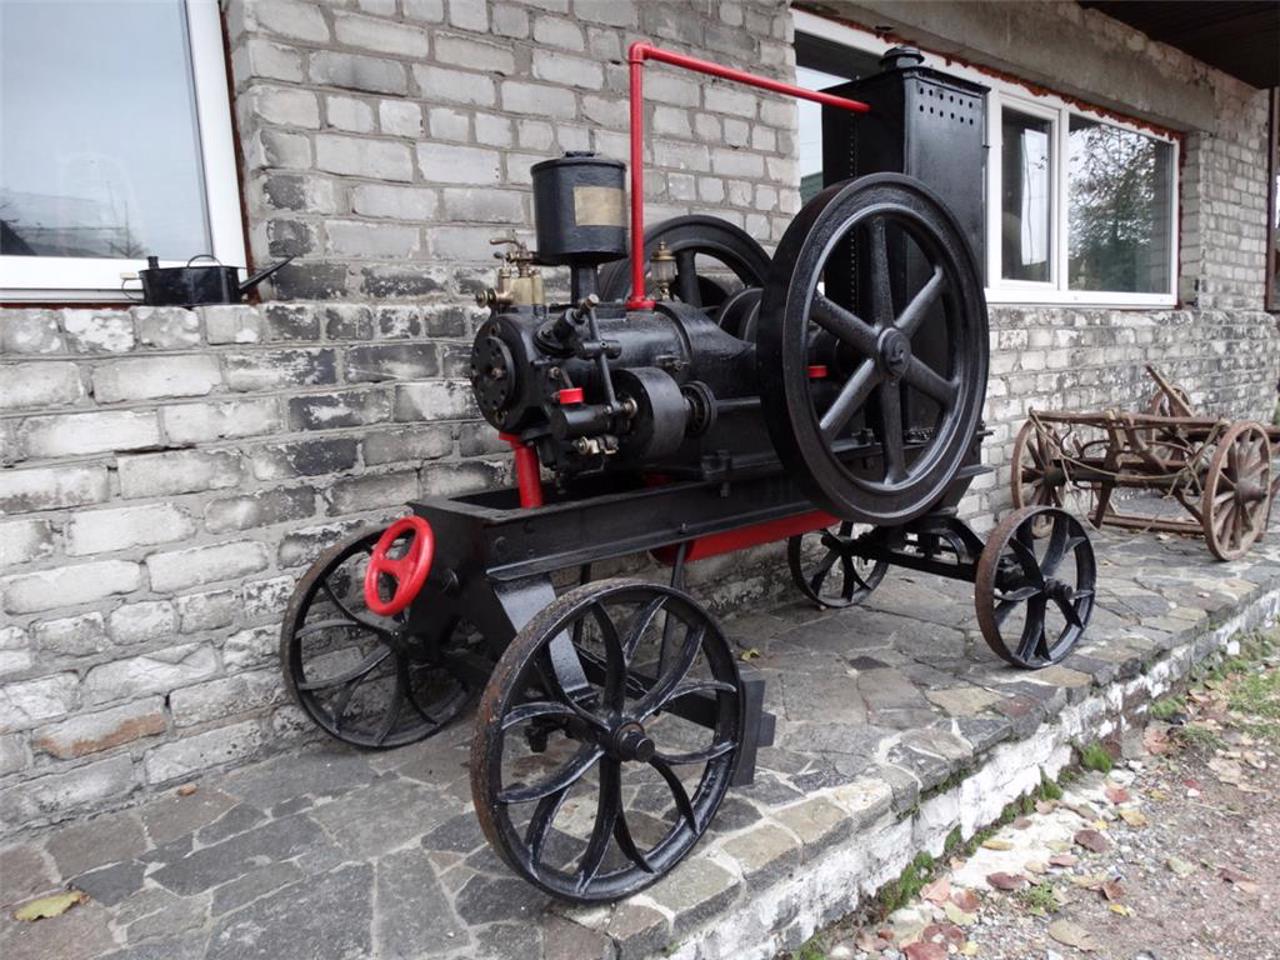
(1038, 867)
(1155, 740)
(1134, 818)
(1122, 909)
(1007, 881)
(1232, 875)
(187, 789)
(1092, 840)
(1180, 867)
(1064, 860)
(937, 892)
(749, 655)
(925, 951)
(960, 917)
(1090, 881)
(944, 933)
(53, 905)
(965, 899)
(1072, 934)
(1228, 771)
(1254, 759)
(1021, 823)
(995, 843)
(1113, 890)
(970, 949)
(1158, 795)
(1046, 806)
(1117, 794)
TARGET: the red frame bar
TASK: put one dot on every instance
(528, 472)
(754, 535)
(641, 51)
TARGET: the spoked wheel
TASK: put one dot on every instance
(1161, 406)
(1038, 479)
(709, 252)
(1237, 491)
(363, 678)
(838, 578)
(587, 778)
(1034, 597)
(873, 317)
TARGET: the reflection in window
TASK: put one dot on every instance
(1119, 194)
(1027, 191)
(99, 149)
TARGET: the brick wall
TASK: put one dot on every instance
(386, 144)
(166, 475)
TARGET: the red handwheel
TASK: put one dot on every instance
(408, 572)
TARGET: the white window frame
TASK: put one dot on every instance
(1002, 93)
(99, 279)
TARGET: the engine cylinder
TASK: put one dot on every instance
(580, 209)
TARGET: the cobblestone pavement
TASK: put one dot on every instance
(328, 853)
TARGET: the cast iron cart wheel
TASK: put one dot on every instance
(895, 229)
(839, 578)
(364, 679)
(716, 241)
(1037, 479)
(1034, 598)
(593, 789)
(1237, 491)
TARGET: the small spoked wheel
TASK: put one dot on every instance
(1162, 405)
(833, 576)
(589, 774)
(1237, 491)
(1034, 595)
(1037, 479)
(873, 325)
(364, 678)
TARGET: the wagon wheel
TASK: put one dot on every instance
(585, 780)
(840, 578)
(899, 235)
(1237, 491)
(699, 244)
(1034, 597)
(365, 679)
(1160, 405)
(1038, 478)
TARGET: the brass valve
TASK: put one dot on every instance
(519, 281)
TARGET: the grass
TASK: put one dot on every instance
(1048, 789)
(1095, 757)
(1166, 708)
(1040, 898)
(898, 893)
(1258, 695)
(812, 949)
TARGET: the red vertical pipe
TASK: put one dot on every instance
(528, 478)
(635, 57)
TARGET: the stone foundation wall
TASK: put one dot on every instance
(167, 475)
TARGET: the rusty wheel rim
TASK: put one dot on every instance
(1237, 491)
(1034, 595)
(1032, 478)
(608, 812)
(838, 578)
(363, 679)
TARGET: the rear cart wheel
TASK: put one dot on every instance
(835, 577)
(1237, 491)
(365, 679)
(1038, 479)
(1034, 596)
(589, 775)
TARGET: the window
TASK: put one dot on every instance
(116, 144)
(1080, 208)
(1273, 217)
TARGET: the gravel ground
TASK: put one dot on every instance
(1171, 855)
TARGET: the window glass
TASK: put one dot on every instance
(1273, 221)
(99, 144)
(1119, 216)
(821, 65)
(1027, 191)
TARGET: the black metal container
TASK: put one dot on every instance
(197, 284)
(924, 123)
(580, 209)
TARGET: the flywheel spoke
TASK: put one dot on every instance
(923, 377)
(844, 325)
(851, 398)
(608, 804)
(911, 318)
(891, 433)
(881, 292)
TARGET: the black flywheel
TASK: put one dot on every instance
(872, 349)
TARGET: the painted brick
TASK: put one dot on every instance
(153, 377)
(539, 100)
(303, 546)
(348, 113)
(100, 531)
(251, 647)
(22, 541)
(31, 332)
(554, 32)
(26, 703)
(276, 369)
(183, 569)
(408, 361)
(79, 636)
(23, 491)
(382, 241)
(143, 622)
(233, 323)
(159, 671)
(94, 331)
(380, 36)
(446, 163)
(77, 434)
(304, 458)
(94, 732)
(400, 119)
(202, 751)
(376, 159)
(226, 696)
(399, 203)
(54, 796)
(571, 71)
(166, 328)
(357, 494)
(29, 385)
(438, 85)
(469, 14)
(282, 105)
(183, 471)
(351, 72)
(209, 610)
(288, 18)
(261, 509)
(68, 586)
(438, 400)
(475, 54)
(202, 422)
(328, 411)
